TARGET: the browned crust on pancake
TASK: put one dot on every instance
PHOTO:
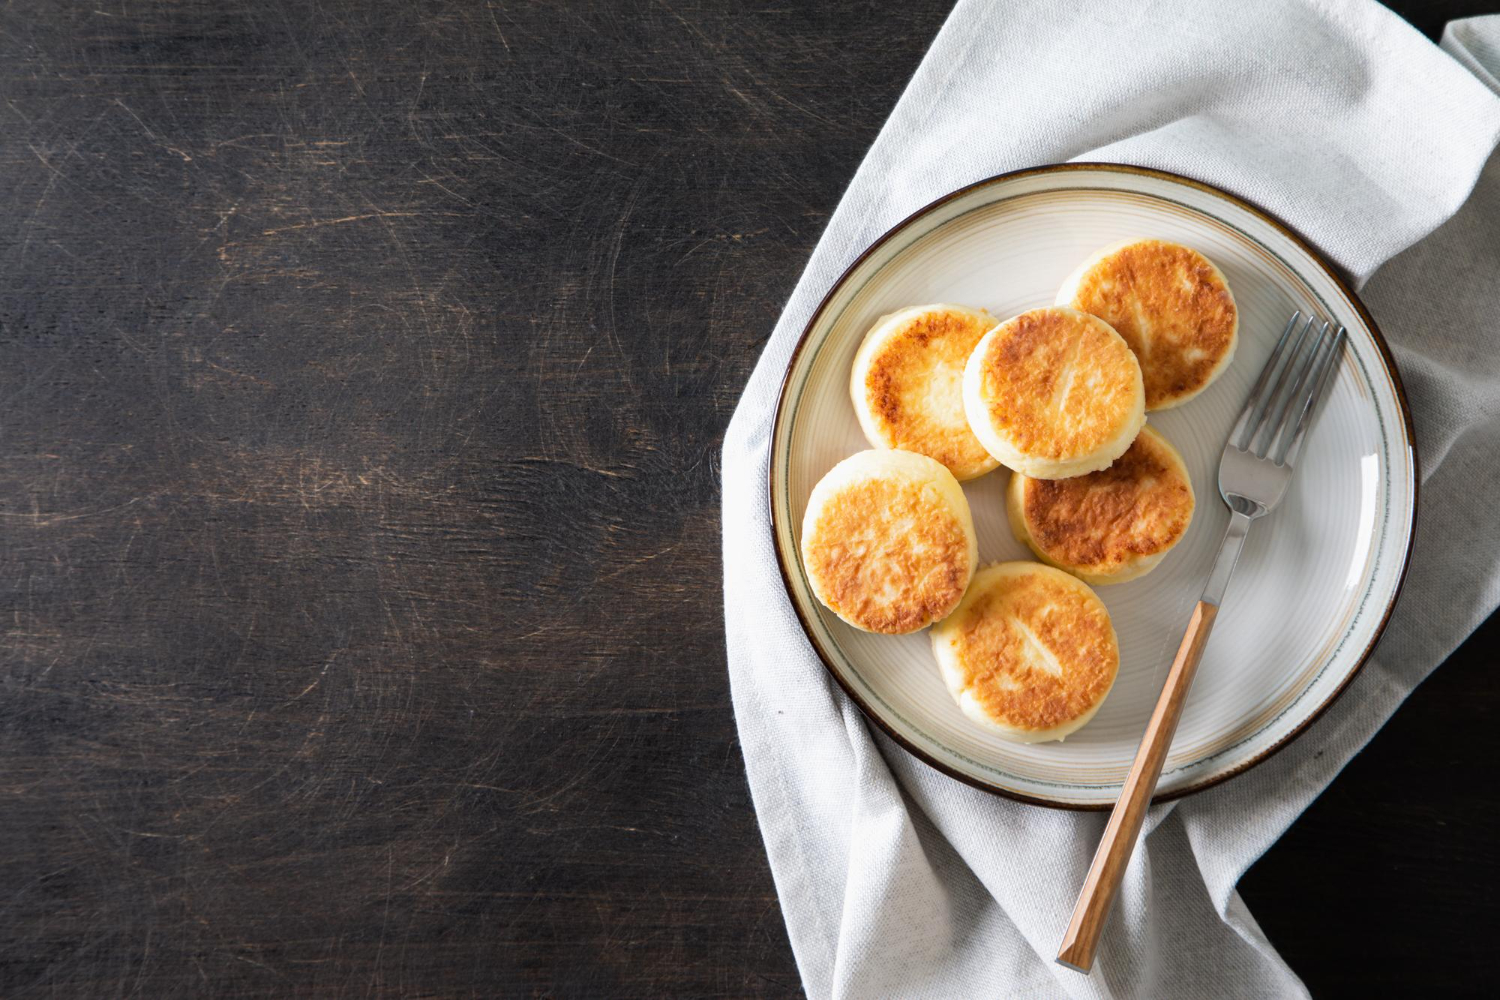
(1186, 302)
(899, 375)
(992, 648)
(1140, 506)
(878, 536)
(1025, 377)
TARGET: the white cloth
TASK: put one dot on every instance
(896, 881)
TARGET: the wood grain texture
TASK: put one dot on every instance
(1096, 899)
(365, 369)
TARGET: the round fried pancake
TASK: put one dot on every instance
(1172, 306)
(1108, 526)
(1029, 653)
(887, 541)
(907, 385)
(1054, 393)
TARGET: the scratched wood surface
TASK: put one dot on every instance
(365, 367)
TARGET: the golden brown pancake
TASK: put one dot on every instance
(1054, 393)
(907, 385)
(1108, 526)
(1172, 306)
(887, 541)
(1029, 653)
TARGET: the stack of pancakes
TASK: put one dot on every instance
(946, 393)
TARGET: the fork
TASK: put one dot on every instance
(1254, 472)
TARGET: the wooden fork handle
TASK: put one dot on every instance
(1103, 882)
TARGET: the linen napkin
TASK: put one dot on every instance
(897, 881)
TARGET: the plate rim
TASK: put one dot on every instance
(1387, 359)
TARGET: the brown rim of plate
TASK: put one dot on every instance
(1343, 286)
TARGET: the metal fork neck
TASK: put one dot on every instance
(1229, 554)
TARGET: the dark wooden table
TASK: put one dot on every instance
(365, 371)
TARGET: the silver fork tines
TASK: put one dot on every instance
(1268, 384)
(1267, 438)
(1290, 384)
(1318, 378)
(1256, 466)
(1293, 376)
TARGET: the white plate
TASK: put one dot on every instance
(1317, 579)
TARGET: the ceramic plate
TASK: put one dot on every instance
(1317, 578)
